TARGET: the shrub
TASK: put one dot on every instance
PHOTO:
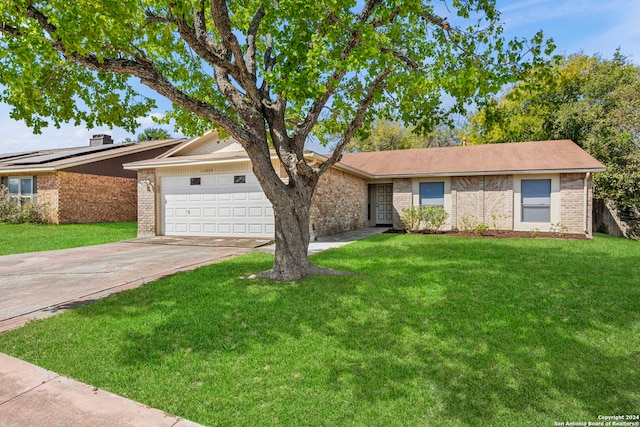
(481, 229)
(411, 219)
(14, 212)
(429, 219)
(603, 228)
(558, 228)
(468, 224)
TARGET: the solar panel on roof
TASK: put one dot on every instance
(9, 155)
(38, 160)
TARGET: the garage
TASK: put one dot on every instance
(215, 205)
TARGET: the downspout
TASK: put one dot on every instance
(586, 203)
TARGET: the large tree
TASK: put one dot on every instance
(265, 72)
(386, 135)
(591, 100)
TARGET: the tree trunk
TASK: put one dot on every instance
(292, 236)
(292, 242)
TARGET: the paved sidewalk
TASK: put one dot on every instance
(32, 396)
(337, 240)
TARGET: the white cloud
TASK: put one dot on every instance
(591, 26)
(15, 136)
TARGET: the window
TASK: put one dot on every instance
(536, 200)
(196, 181)
(21, 188)
(240, 179)
(432, 194)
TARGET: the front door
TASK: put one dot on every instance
(384, 204)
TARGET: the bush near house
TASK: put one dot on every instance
(428, 219)
(15, 211)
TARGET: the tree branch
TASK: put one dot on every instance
(196, 37)
(9, 30)
(245, 79)
(402, 57)
(148, 74)
(302, 130)
(252, 34)
(444, 25)
(356, 122)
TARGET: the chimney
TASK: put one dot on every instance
(100, 139)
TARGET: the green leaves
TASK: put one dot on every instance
(593, 101)
(304, 52)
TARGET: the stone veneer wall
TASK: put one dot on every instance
(402, 198)
(147, 203)
(84, 198)
(339, 203)
(572, 209)
(489, 200)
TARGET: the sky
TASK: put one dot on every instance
(587, 26)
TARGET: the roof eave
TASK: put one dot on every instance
(29, 170)
(481, 173)
(157, 164)
(106, 156)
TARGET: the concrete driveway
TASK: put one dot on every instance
(39, 284)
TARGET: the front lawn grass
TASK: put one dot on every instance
(433, 331)
(22, 238)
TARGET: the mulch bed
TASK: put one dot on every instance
(506, 234)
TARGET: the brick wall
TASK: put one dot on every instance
(86, 198)
(47, 194)
(147, 203)
(402, 198)
(339, 203)
(572, 208)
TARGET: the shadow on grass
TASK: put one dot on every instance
(467, 330)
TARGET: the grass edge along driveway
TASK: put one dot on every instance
(23, 238)
(433, 330)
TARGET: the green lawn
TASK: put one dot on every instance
(433, 331)
(21, 238)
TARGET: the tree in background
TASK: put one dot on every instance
(593, 101)
(149, 134)
(267, 73)
(386, 135)
(153, 134)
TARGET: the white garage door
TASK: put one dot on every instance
(231, 205)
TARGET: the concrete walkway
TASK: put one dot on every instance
(337, 240)
(32, 396)
(39, 284)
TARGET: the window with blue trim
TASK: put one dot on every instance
(432, 194)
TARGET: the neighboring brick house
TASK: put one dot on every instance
(205, 187)
(81, 184)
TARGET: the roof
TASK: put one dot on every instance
(562, 156)
(490, 159)
(62, 158)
